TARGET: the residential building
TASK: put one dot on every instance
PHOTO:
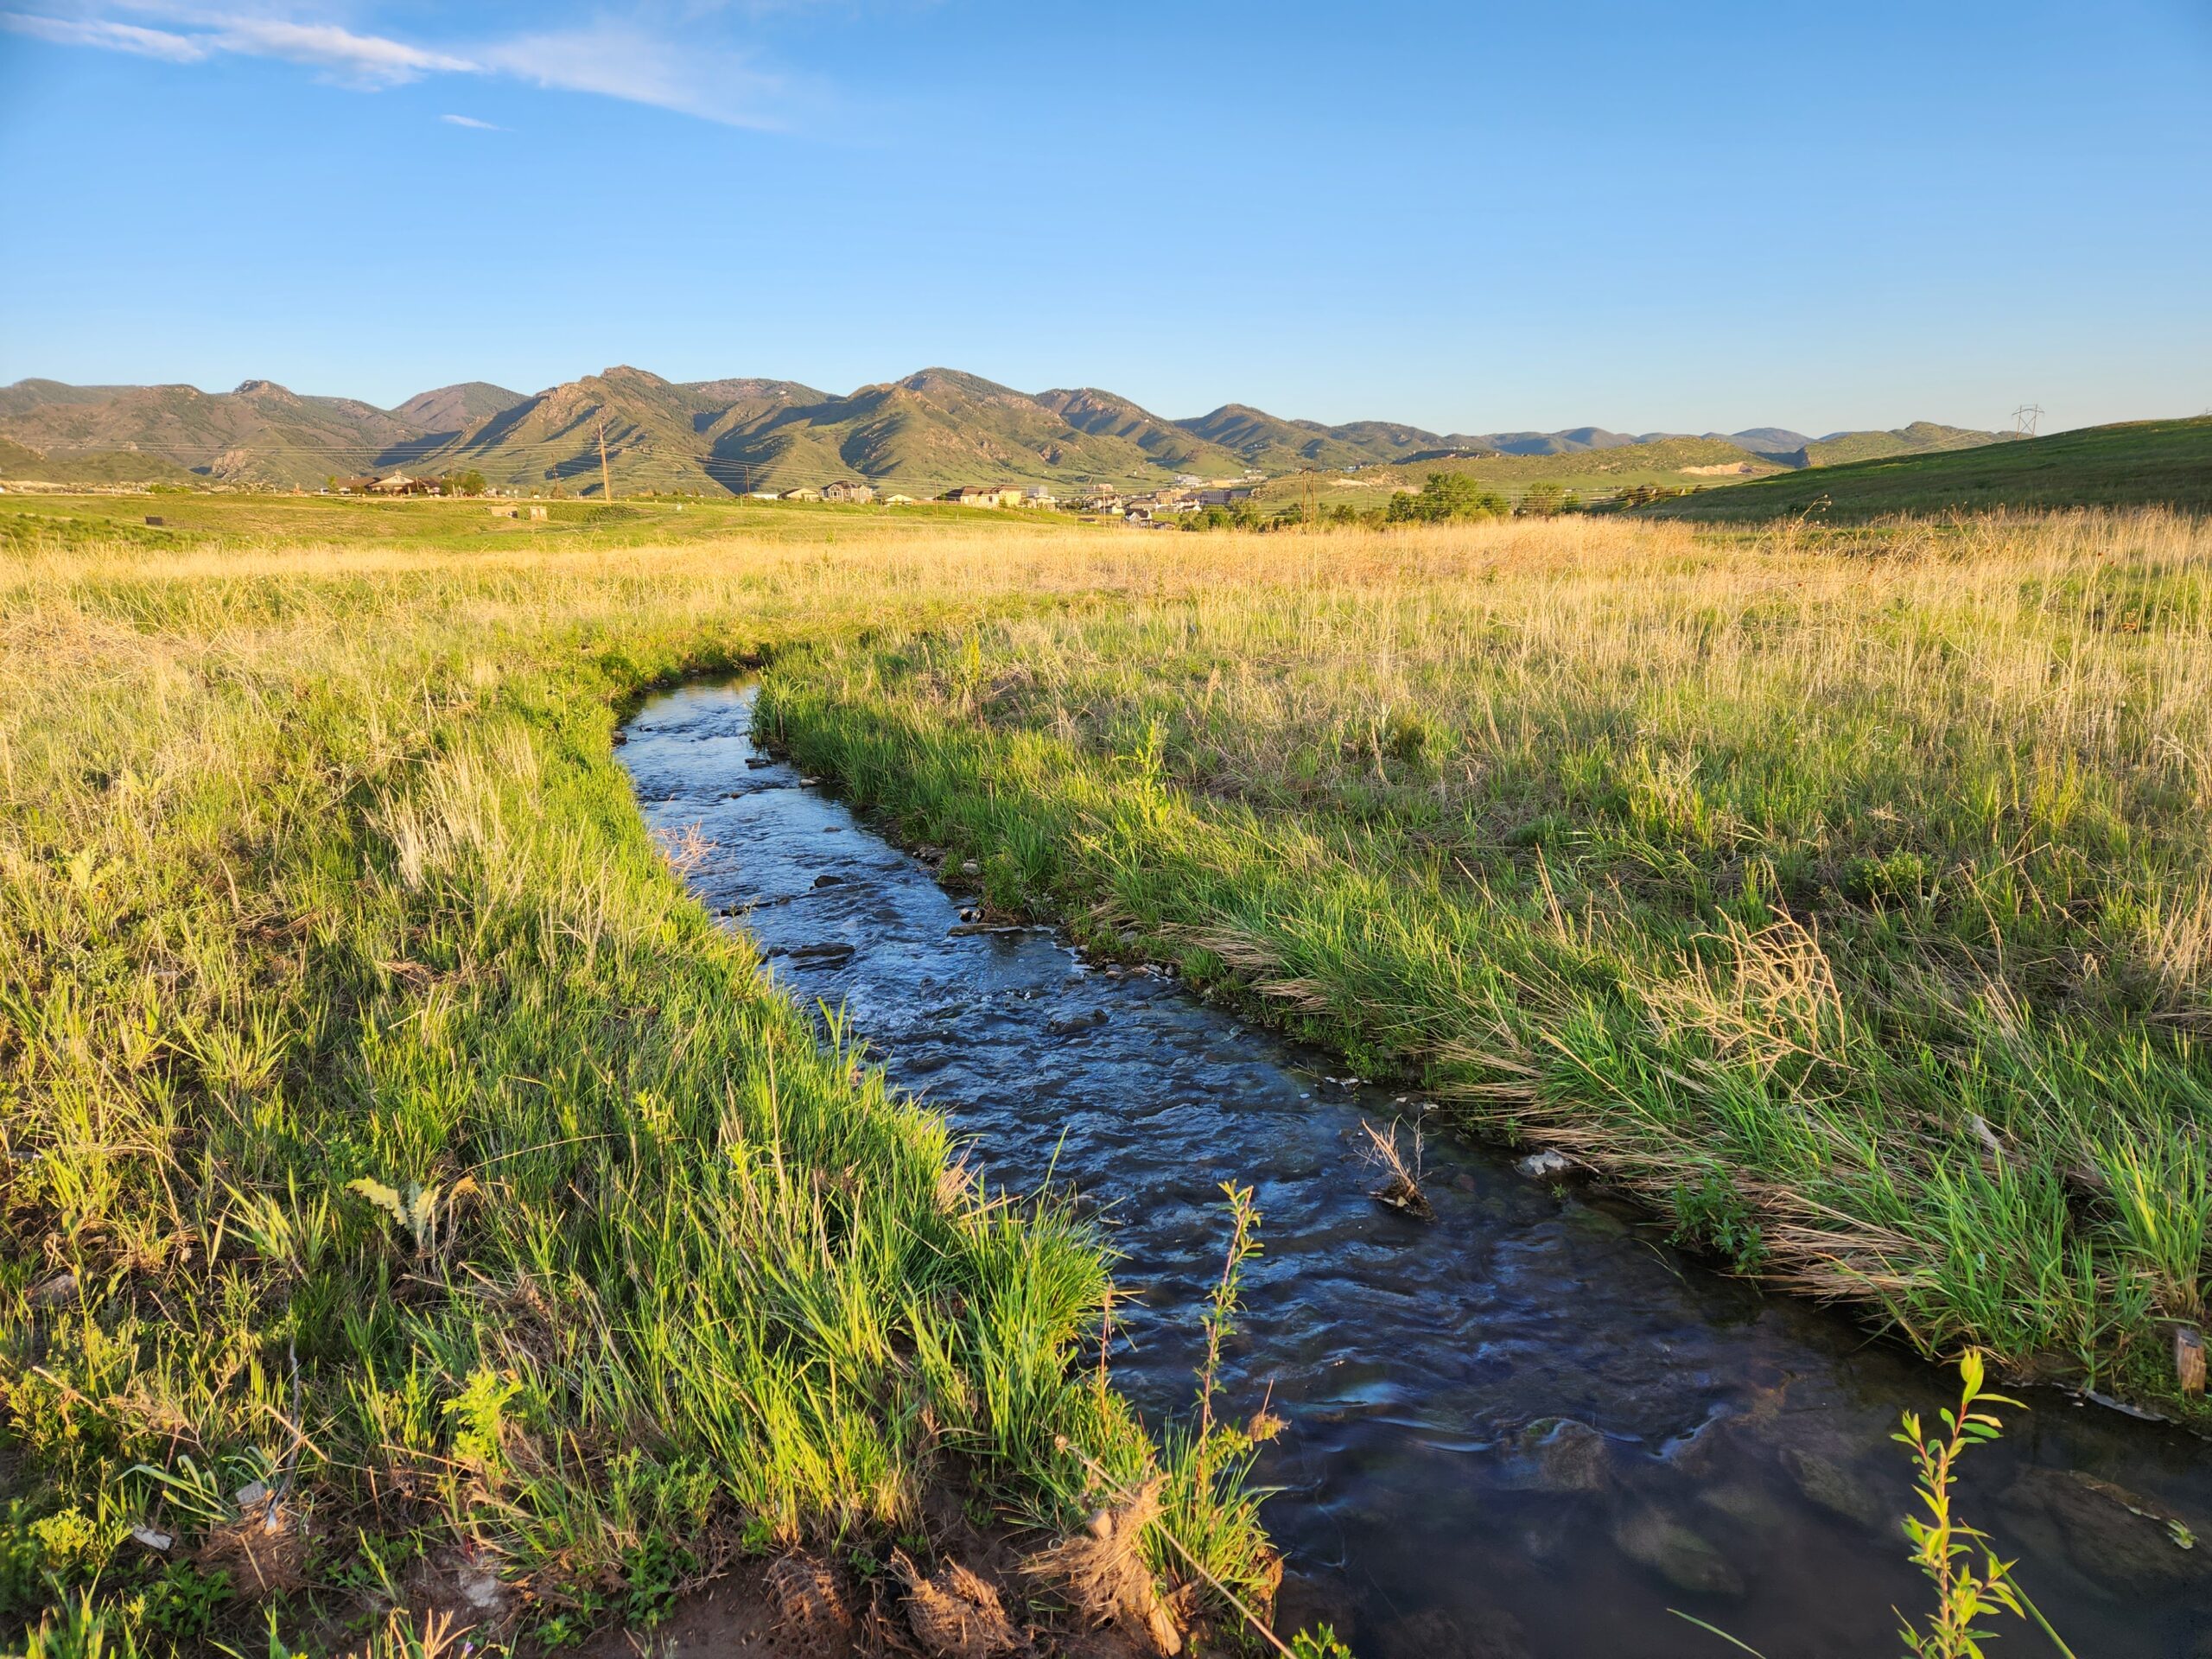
(846, 490)
(985, 495)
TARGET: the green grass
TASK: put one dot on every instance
(1590, 474)
(1919, 438)
(2139, 463)
(242, 521)
(1853, 908)
(381, 1119)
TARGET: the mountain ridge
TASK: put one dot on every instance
(923, 432)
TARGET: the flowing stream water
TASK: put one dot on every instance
(1528, 1428)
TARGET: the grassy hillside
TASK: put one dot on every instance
(1922, 437)
(941, 428)
(1168, 444)
(1592, 473)
(451, 408)
(17, 461)
(262, 432)
(2163, 462)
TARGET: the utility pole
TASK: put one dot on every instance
(606, 483)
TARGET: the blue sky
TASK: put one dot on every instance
(1473, 218)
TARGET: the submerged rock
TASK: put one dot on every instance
(1545, 1165)
(1569, 1456)
(2117, 1537)
(1686, 1560)
(1433, 1633)
(1836, 1488)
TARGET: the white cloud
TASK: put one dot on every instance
(470, 121)
(115, 37)
(617, 62)
(368, 58)
(610, 58)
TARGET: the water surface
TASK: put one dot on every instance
(1527, 1427)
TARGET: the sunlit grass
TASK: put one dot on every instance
(382, 1126)
(1846, 894)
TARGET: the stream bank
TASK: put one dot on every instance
(1526, 1426)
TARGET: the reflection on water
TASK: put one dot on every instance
(1527, 1427)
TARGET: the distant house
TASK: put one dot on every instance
(1163, 501)
(800, 494)
(761, 495)
(845, 490)
(1233, 496)
(1038, 496)
(895, 500)
(985, 495)
(401, 484)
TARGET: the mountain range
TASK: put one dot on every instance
(922, 434)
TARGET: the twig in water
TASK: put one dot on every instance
(1402, 1191)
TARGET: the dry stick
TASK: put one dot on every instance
(1123, 1495)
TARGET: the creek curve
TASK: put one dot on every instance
(1528, 1428)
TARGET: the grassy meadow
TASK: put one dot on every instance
(386, 1137)
(1592, 474)
(2135, 463)
(1848, 897)
(381, 1125)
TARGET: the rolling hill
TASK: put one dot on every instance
(1922, 437)
(2133, 464)
(922, 434)
(455, 408)
(100, 466)
(1674, 463)
(262, 432)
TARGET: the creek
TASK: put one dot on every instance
(1527, 1427)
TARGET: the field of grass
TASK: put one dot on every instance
(1850, 898)
(1592, 474)
(381, 1124)
(347, 524)
(2139, 463)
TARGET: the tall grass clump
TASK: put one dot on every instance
(406, 1189)
(1848, 894)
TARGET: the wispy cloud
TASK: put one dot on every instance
(612, 59)
(101, 32)
(370, 59)
(618, 61)
(470, 121)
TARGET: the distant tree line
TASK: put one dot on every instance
(1443, 498)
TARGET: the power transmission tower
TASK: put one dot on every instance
(606, 483)
(2024, 418)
